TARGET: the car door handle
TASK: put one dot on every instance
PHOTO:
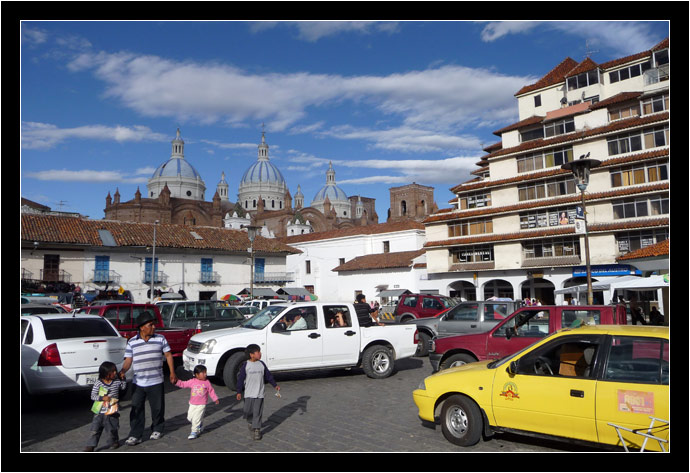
(577, 393)
(350, 333)
(314, 335)
(473, 326)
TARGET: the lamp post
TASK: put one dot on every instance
(251, 232)
(153, 261)
(581, 169)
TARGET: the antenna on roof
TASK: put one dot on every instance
(589, 52)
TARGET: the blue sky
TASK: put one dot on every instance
(389, 103)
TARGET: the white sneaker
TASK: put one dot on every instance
(132, 441)
(155, 436)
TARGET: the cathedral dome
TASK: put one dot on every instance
(176, 167)
(333, 192)
(262, 182)
(178, 175)
(263, 172)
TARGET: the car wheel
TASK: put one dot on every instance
(457, 360)
(232, 369)
(423, 344)
(377, 362)
(461, 421)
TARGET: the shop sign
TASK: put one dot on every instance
(606, 270)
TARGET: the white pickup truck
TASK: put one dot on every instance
(314, 342)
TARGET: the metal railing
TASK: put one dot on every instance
(56, 276)
(273, 277)
(106, 276)
(159, 278)
(208, 277)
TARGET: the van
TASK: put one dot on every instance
(206, 315)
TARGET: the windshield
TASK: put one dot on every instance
(448, 302)
(264, 317)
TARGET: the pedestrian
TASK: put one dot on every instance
(144, 354)
(105, 393)
(366, 315)
(201, 389)
(656, 317)
(250, 385)
(636, 312)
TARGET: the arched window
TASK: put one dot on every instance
(254, 203)
(273, 204)
(403, 208)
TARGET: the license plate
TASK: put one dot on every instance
(90, 378)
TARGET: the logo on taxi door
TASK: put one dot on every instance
(510, 391)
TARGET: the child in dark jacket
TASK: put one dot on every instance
(250, 384)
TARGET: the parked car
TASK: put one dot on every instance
(518, 330)
(419, 306)
(203, 315)
(41, 308)
(263, 303)
(62, 352)
(124, 315)
(573, 384)
(247, 311)
(317, 345)
(466, 317)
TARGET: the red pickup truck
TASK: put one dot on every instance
(517, 331)
(124, 315)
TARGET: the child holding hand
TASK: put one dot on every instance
(201, 389)
(250, 384)
(105, 393)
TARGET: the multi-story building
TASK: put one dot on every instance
(511, 230)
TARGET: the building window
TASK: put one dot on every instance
(534, 134)
(631, 241)
(474, 201)
(630, 208)
(537, 100)
(628, 72)
(560, 127)
(341, 261)
(470, 227)
(102, 270)
(657, 136)
(655, 104)
(624, 112)
(308, 267)
(473, 254)
(583, 80)
(539, 160)
(624, 143)
(639, 174)
(551, 248)
(658, 205)
(207, 270)
(386, 246)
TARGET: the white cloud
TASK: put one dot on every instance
(447, 97)
(314, 30)
(86, 176)
(45, 136)
(620, 37)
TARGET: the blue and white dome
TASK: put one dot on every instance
(335, 195)
(182, 179)
(263, 181)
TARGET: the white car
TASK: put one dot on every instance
(62, 352)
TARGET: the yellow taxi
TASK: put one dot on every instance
(601, 384)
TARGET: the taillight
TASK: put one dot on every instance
(416, 336)
(50, 356)
(198, 328)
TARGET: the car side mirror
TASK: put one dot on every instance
(512, 367)
(508, 333)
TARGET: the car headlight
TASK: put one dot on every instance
(207, 346)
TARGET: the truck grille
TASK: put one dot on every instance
(194, 347)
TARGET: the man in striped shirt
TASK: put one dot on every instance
(144, 353)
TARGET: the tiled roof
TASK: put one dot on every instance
(81, 231)
(554, 76)
(387, 227)
(652, 251)
(533, 120)
(553, 232)
(618, 98)
(555, 171)
(401, 259)
(453, 214)
(584, 66)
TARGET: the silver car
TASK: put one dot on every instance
(62, 352)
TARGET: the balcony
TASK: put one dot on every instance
(106, 276)
(159, 278)
(544, 261)
(274, 277)
(209, 277)
(56, 276)
(656, 75)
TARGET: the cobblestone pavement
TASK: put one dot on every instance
(320, 411)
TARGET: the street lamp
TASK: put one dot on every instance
(252, 231)
(153, 260)
(580, 169)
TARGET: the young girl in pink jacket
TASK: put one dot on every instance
(201, 389)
